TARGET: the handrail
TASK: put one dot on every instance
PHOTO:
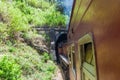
(64, 59)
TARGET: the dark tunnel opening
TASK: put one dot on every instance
(59, 41)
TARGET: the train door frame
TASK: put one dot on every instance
(86, 39)
(69, 54)
(69, 58)
(73, 60)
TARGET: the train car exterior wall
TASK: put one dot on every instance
(100, 21)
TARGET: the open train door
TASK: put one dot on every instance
(87, 58)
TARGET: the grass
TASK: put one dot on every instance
(32, 65)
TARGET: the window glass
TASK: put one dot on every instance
(88, 53)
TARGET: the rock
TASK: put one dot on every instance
(38, 43)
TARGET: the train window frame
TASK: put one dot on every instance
(81, 44)
(73, 57)
(69, 54)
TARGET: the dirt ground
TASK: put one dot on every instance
(58, 75)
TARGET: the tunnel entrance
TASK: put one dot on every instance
(62, 38)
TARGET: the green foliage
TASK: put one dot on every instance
(47, 38)
(16, 17)
(56, 19)
(18, 22)
(47, 70)
(38, 3)
(42, 13)
(39, 19)
(14, 20)
(3, 31)
(31, 34)
(45, 57)
(9, 69)
(8, 43)
(33, 65)
(12, 49)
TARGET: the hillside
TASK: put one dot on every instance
(19, 60)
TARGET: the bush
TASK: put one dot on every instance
(39, 4)
(32, 64)
(56, 19)
(13, 19)
(45, 57)
(3, 31)
(42, 13)
(18, 22)
(9, 69)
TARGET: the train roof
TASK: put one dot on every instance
(71, 14)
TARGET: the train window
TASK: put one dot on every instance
(88, 53)
(87, 58)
